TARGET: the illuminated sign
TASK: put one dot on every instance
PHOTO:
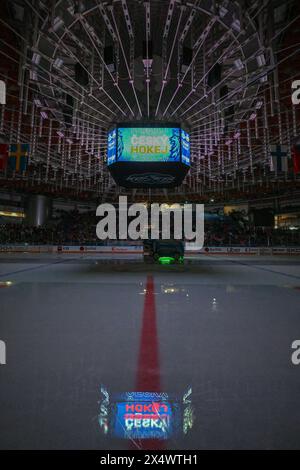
(148, 157)
(111, 146)
(149, 144)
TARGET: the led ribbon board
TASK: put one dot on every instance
(148, 157)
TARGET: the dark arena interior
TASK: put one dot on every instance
(114, 335)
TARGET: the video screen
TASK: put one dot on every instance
(112, 146)
(149, 144)
(185, 147)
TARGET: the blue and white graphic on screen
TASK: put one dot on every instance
(111, 146)
(149, 144)
(185, 148)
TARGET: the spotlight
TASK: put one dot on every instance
(261, 60)
(223, 11)
(36, 58)
(264, 78)
(37, 103)
(33, 75)
(57, 23)
(236, 25)
(238, 64)
(58, 63)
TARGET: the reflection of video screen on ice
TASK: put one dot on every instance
(145, 415)
(143, 420)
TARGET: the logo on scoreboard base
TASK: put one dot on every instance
(151, 179)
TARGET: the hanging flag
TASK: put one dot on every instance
(279, 158)
(296, 158)
(3, 156)
(18, 157)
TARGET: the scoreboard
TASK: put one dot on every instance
(148, 156)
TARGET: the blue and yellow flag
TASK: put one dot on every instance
(18, 157)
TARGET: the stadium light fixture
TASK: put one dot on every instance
(36, 58)
(236, 25)
(57, 23)
(58, 63)
(238, 64)
(261, 60)
(33, 75)
(37, 102)
(264, 78)
(223, 11)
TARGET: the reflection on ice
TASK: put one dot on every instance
(145, 415)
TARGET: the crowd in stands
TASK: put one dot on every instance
(229, 236)
(75, 228)
(66, 228)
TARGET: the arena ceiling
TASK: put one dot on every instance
(223, 69)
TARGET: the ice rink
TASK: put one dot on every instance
(220, 326)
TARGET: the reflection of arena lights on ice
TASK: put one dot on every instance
(173, 290)
(5, 283)
(170, 290)
(215, 305)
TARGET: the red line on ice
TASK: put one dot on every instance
(148, 372)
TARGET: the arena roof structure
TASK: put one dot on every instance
(223, 69)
